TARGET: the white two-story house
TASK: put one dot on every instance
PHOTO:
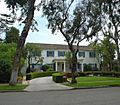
(54, 55)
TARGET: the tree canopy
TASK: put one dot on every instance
(75, 20)
(12, 35)
(106, 53)
(7, 52)
(110, 21)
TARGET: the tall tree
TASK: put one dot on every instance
(75, 24)
(12, 35)
(27, 11)
(106, 52)
(28, 22)
(110, 10)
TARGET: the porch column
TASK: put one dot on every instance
(56, 66)
(82, 67)
(64, 66)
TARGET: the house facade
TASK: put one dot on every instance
(54, 56)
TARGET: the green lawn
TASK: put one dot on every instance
(6, 87)
(95, 81)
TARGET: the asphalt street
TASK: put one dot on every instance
(99, 96)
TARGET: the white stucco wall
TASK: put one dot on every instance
(81, 60)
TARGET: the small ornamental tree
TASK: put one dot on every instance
(76, 20)
(33, 51)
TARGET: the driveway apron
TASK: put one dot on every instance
(45, 83)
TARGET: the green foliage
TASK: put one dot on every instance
(12, 35)
(68, 56)
(46, 67)
(50, 69)
(95, 73)
(33, 75)
(33, 49)
(58, 77)
(7, 52)
(110, 12)
(87, 67)
(75, 23)
(105, 52)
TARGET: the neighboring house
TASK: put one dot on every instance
(54, 55)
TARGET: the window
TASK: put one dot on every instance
(50, 53)
(36, 53)
(81, 54)
(61, 53)
(92, 54)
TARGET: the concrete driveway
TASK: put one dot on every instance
(45, 83)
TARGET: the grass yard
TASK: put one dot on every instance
(95, 81)
(6, 87)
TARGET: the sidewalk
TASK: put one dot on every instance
(45, 83)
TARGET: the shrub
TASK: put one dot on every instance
(116, 74)
(7, 51)
(87, 67)
(5, 71)
(19, 79)
(107, 73)
(39, 74)
(58, 77)
(46, 67)
(82, 74)
(50, 69)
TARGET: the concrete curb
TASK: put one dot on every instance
(81, 88)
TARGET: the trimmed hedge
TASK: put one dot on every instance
(57, 77)
(96, 73)
(33, 75)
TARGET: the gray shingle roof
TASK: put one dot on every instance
(58, 46)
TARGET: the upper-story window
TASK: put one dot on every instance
(61, 53)
(50, 53)
(81, 54)
(92, 54)
(35, 53)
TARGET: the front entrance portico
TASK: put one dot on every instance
(60, 65)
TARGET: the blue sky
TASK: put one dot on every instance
(44, 35)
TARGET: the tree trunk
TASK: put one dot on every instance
(21, 42)
(74, 68)
(118, 54)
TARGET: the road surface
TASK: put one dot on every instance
(99, 96)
